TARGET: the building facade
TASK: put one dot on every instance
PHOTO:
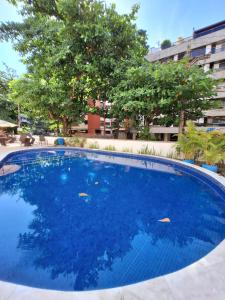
(206, 48)
(99, 125)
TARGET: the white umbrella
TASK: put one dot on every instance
(5, 124)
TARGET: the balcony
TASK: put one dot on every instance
(214, 50)
(219, 74)
(175, 130)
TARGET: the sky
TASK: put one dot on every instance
(162, 19)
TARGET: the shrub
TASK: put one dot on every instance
(189, 143)
(202, 145)
(145, 135)
(127, 150)
(110, 148)
(75, 142)
(93, 145)
(213, 147)
(146, 150)
(172, 154)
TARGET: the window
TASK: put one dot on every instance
(211, 65)
(218, 121)
(181, 55)
(166, 59)
(213, 50)
(198, 52)
(222, 65)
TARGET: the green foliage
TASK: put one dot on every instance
(166, 94)
(75, 142)
(110, 148)
(24, 129)
(166, 44)
(145, 150)
(71, 49)
(183, 91)
(172, 155)
(189, 144)
(202, 145)
(93, 145)
(8, 109)
(144, 134)
(213, 147)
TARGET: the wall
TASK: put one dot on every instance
(160, 148)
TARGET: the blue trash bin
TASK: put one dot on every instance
(60, 141)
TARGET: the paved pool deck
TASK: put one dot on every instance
(204, 279)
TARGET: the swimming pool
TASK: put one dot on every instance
(84, 220)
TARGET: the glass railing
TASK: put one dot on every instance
(200, 33)
(214, 50)
(198, 52)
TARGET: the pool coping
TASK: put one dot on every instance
(203, 279)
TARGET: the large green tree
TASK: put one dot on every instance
(169, 93)
(71, 49)
(8, 109)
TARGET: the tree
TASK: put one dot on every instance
(166, 44)
(169, 93)
(184, 91)
(133, 96)
(8, 109)
(71, 49)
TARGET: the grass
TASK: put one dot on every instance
(110, 148)
(93, 145)
(129, 150)
(172, 155)
(147, 151)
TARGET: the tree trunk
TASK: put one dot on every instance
(181, 122)
(116, 131)
(147, 121)
(65, 123)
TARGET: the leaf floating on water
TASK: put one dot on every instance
(179, 174)
(83, 194)
(9, 169)
(165, 220)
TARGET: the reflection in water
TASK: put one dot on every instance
(109, 236)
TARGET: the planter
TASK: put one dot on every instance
(189, 161)
(212, 168)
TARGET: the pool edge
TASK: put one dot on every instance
(202, 279)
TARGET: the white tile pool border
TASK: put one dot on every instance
(204, 279)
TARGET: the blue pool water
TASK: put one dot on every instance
(80, 220)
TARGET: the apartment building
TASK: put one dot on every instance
(98, 126)
(206, 48)
(94, 124)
